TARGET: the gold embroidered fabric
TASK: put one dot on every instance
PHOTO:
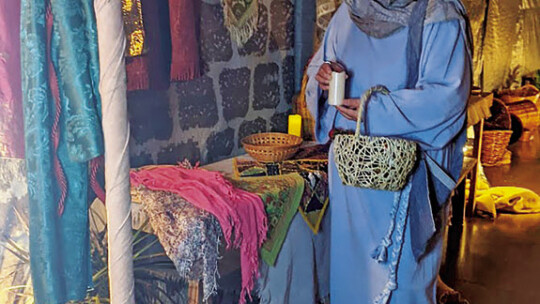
(133, 27)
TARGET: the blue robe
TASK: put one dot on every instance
(432, 114)
(60, 257)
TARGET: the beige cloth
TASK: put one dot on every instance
(507, 199)
(489, 199)
(112, 87)
(510, 46)
(478, 108)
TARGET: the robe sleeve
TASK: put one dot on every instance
(432, 113)
(323, 114)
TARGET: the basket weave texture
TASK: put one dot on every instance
(527, 112)
(494, 145)
(271, 147)
(527, 92)
(373, 162)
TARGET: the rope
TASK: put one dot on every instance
(391, 284)
(96, 187)
(55, 134)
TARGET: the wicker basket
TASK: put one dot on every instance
(494, 145)
(271, 147)
(526, 92)
(500, 117)
(527, 112)
(517, 129)
(381, 163)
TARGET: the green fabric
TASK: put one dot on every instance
(60, 244)
(314, 171)
(311, 162)
(281, 196)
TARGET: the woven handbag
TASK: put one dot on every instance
(381, 163)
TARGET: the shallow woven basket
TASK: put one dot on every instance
(526, 92)
(494, 145)
(271, 147)
(373, 162)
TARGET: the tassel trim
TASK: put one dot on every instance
(402, 214)
(137, 83)
(380, 254)
(185, 73)
(241, 30)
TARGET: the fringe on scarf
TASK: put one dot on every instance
(241, 29)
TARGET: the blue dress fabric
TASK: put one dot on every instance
(60, 244)
(432, 114)
(301, 272)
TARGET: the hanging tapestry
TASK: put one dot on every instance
(241, 18)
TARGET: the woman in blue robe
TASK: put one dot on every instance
(419, 50)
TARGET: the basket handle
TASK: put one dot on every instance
(363, 101)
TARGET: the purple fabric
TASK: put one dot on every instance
(11, 116)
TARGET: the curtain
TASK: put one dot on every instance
(506, 37)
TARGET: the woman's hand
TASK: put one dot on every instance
(324, 76)
(349, 108)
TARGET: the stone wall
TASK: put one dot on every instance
(243, 91)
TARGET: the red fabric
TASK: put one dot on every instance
(55, 132)
(234, 208)
(152, 70)
(94, 167)
(137, 73)
(184, 19)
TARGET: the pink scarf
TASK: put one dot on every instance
(11, 115)
(234, 208)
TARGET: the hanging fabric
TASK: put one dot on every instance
(134, 27)
(59, 238)
(241, 18)
(137, 73)
(324, 12)
(151, 70)
(184, 20)
(11, 123)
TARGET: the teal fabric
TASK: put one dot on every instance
(59, 244)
